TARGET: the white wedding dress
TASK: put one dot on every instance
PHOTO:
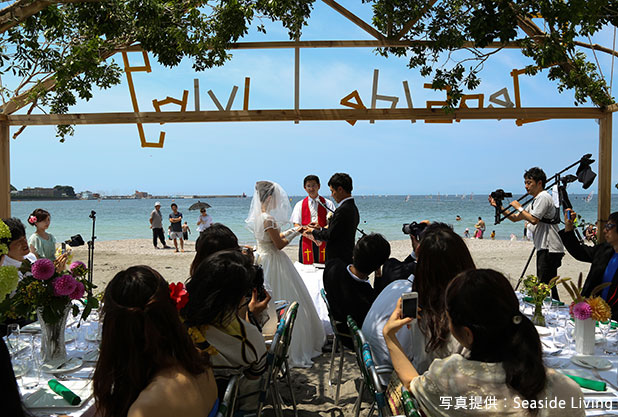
(308, 335)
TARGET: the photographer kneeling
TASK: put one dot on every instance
(603, 257)
(542, 214)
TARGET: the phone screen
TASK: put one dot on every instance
(409, 306)
(64, 247)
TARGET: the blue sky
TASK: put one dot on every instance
(388, 157)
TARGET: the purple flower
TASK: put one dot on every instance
(582, 311)
(78, 268)
(43, 269)
(78, 293)
(64, 285)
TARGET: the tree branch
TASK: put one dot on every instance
(19, 11)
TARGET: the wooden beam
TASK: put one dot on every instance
(304, 115)
(5, 171)
(605, 173)
(355, 19)
(369, 43)
(412, 22)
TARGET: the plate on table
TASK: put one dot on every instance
(44, 397)
(585, 373)
(592, 362)
(543, 331)
(31, 328)
(319, 266)
(62, 367)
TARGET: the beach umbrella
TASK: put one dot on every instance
(199, 205)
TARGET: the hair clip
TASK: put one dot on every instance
(32, 220)
(178, 295)
(517, 319)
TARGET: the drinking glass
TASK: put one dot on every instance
(569, 334)
(604, 327)
(547, 304)
(12, 337)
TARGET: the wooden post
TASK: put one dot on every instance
(605, 173)
(5, 170)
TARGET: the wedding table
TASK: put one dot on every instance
(559, 350)
(77, 377)
(312, 277)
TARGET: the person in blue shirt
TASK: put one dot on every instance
(603, 258)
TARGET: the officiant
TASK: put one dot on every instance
(309, 212)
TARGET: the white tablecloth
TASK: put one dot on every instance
(312, 277)
(558, 357)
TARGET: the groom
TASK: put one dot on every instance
(341, 231)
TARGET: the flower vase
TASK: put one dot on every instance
(538, 319)
(53, 349)
(584, 336)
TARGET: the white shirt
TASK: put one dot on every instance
(14, 262)
(344, 200)
(545, 235)
(205, 224)
(297, 214)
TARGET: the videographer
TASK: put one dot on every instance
(393, 268)
(544, 215)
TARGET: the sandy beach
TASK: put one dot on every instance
(313, 394)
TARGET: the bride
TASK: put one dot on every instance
(270, 210)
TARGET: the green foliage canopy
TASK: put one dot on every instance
(61, 53)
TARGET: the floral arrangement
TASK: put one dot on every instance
(9, 277)
(44, 286)
(539, 291)
(583, 308)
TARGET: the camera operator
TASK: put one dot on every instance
(542, 213)
(393, 268)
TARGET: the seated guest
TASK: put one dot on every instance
(147, 364)
(219, 237)
(393, 268)
(347, 287)
(442, 254)
(504, 360)
(17, 244)
(218, 288)
(603, 258)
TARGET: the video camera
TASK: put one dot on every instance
(257, 282)
(414, 229)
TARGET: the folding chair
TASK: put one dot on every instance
(370, 380)
(277, 362)
(337, 344)
(227, 405)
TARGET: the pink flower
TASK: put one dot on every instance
(78, 293)
(78, 268)
(32, 220)
(43, 269)
(64, 285)
(582, 311)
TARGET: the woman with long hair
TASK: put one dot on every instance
(270, 211)
(442, 254)
(504, 360)
(147, 364)
(219, 287)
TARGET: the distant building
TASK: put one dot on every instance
(141, 194)
(59, 192)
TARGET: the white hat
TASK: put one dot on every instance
(157, 204)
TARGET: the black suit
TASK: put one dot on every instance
(599, 257)
(393, 270)
(341, 232)
(346, 295)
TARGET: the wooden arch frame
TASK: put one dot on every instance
(604, 116)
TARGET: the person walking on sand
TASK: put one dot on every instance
(156, 224)
(480, 229)
(176, 227)
(204, 221)
(185, 231)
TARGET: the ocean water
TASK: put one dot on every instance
(128, 219)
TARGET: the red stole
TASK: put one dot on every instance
(309, 256)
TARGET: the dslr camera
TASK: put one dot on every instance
(500, 195)
(414, 229)
(257, 282)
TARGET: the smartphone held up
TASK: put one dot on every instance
(409, 304)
